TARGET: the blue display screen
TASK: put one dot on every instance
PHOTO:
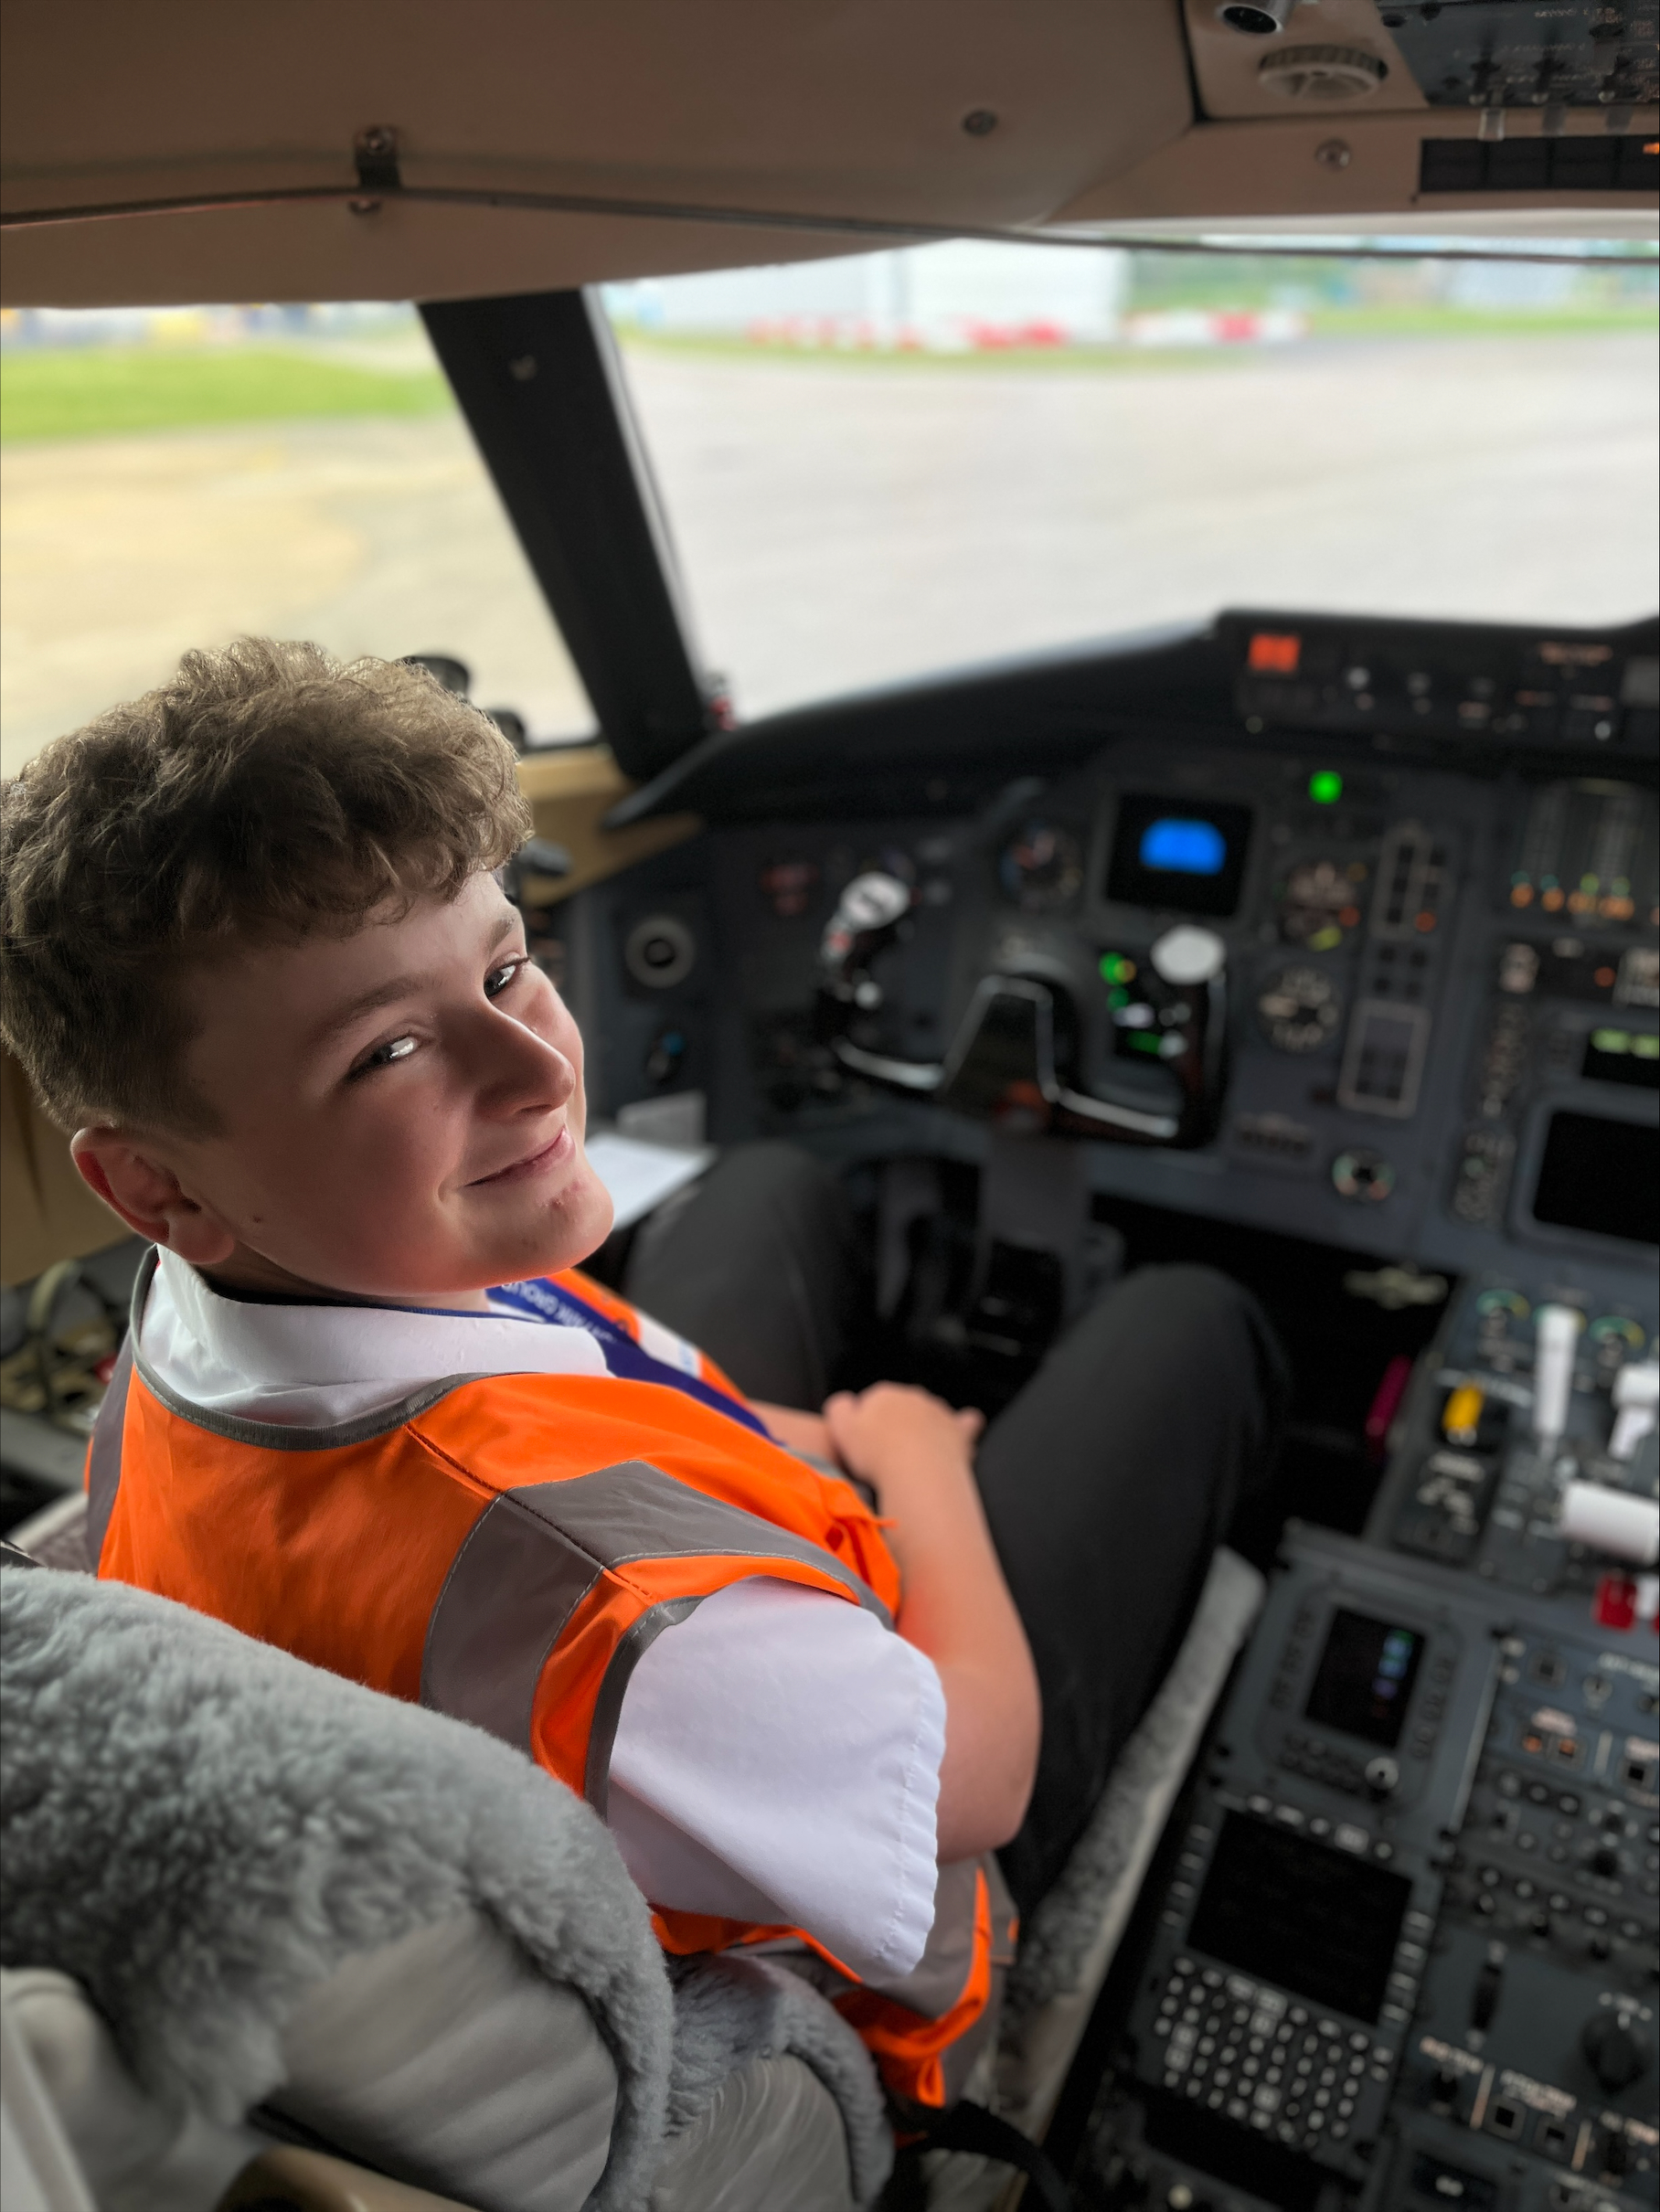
(1177, 854)
(1181, 847)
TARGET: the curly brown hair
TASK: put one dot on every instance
(267, 794)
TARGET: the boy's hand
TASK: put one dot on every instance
(886, 1427)
(897, 1438)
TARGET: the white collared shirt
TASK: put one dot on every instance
(778, 1754)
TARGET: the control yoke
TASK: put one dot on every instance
(1018, 1031)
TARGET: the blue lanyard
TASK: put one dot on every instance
(541, 1299)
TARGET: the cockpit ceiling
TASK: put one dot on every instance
(671, 137)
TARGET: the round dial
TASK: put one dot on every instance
(1318, 904)
(1041, 868)
(1299, 1008)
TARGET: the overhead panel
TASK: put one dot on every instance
(1405, 105)
(1546, 57)
(1598, 55)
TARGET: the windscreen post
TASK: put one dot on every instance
(535, 375)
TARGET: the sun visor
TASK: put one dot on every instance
(294, 147)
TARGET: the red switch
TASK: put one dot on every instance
(1615, 1603)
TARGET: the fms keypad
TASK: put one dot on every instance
(1245, 2050)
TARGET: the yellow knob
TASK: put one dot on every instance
(1463, 1415)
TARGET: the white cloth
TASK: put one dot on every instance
(804, 1783)
(312, 1365)
(778, 1754)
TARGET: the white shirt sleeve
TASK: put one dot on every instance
(777, 1759)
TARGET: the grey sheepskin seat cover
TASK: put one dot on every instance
(202, 1831)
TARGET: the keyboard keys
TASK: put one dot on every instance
(1247, 2052)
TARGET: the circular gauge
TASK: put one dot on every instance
(659, 951)
(1299, 1008)
(1041, 868)
(1319, 903)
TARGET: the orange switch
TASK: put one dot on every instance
(1462, 1416)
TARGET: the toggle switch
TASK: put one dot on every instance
(1636, 1396)
(1489, 1982)
(1616, 1522)
(1555, 1340)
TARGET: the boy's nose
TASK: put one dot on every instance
(524, 1071)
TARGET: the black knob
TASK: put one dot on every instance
(1605, 1861)
(1126, 2184)
(1444, 2089)
(1617, 2049)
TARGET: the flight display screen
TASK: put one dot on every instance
(1600, 1176)
(1183, 855)
(1364, 1683)
(1623, 1056)
(1300, 1915)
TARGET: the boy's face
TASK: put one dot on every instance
(401, 1114)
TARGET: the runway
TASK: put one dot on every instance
(841, 523)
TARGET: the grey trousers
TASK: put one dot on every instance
(1108, 1482)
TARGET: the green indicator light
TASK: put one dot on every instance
(1140, 1041)
(1645, 1048)
(1325, 787)
(1118, 996)
(1611, 1040)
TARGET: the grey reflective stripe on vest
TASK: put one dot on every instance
(608, 1705)
(534, 1554)
(103, 1457)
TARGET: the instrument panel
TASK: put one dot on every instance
(1420, 1060)
(1436, 988)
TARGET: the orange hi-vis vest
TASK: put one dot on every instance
(504, 1548)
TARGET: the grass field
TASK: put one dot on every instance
(95, 390)
(86, 391)
(1407, 321)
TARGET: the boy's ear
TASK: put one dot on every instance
(148, 1195)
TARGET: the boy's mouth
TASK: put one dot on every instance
(551, 1154)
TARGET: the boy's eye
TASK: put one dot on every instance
(496, 981)
(383, 1056)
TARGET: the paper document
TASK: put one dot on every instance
(640, 1176)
